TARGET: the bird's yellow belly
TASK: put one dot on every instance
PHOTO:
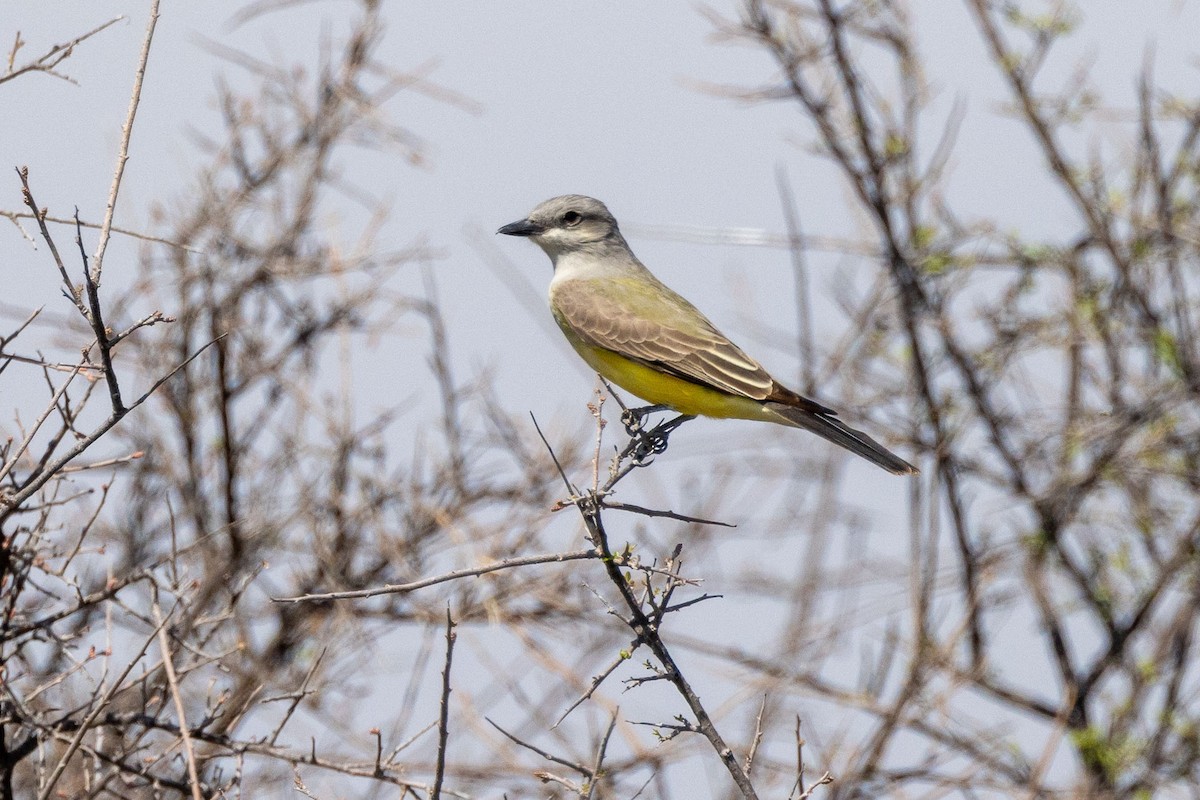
(660, 388)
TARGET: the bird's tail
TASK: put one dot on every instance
(833, 429)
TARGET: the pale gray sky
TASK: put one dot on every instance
(591, 98)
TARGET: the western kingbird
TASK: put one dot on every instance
(647, 339)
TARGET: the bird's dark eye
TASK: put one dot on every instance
(572, 218)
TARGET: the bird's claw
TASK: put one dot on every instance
(634, 418)
(649, 445)
(654, 441)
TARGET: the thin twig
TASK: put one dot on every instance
(4, 340)
(296, 697)
(123, 150)
(599, 762)
(402, 588)
(53, 57)
(444, 715)
(168, 663)
(15, 216)
(758, 735)
(582, 770)
(93, 369)
(549, 777)
(651, 512)
(599, 678)
(96, 318)
(108, 462)
(558, 465)
(40, 215)
(803, 301)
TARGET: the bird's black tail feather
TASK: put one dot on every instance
(831, 428)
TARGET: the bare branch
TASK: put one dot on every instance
(135, 98)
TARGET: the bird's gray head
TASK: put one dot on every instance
(568, 224)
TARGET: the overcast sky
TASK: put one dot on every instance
(602, 99)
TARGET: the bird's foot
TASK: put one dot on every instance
(654, 441)
(633, 418)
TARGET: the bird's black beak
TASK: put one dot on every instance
(522, 228)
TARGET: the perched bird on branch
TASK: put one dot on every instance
(638, 333)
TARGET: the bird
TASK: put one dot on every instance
(638, 333)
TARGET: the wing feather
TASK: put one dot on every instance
(662, 329)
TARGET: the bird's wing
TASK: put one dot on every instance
(656, 326)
